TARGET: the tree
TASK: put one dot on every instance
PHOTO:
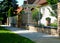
(5, 6)
(53, 3)
(36, 14)
(0, 12)
(19, 12)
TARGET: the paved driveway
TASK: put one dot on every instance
(35, 36)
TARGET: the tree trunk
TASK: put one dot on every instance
(19, 21)
(0, 23)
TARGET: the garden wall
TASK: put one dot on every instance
(51, 31)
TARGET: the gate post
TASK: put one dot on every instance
(58, 12)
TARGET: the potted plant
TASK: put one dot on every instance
(48, 19)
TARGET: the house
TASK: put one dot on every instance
(40, 2)
(44, 8)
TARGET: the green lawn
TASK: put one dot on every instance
(7, 36)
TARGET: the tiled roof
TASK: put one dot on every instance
(40, 2)
(19, 9)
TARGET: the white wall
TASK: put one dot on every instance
(44, 10)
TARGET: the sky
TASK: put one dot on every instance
(20, 2)
(1, 0)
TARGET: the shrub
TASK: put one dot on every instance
(53, 24)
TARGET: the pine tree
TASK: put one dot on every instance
(5, 6)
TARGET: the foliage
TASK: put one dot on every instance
(5, 6)
(1, 18)
(35, 14)
(48, 18)
(54, 24)
(52, 2)
(7, 36)
(10, 12)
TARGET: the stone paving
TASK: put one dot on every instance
(35, 36)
